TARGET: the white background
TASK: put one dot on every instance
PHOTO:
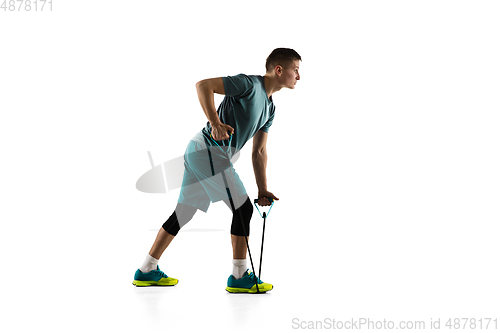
(385, 158)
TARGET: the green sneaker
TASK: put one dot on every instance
(247, 284)
(154, 278)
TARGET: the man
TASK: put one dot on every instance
(247, 111)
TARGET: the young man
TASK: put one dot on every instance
(247, 111)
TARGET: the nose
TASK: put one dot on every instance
(298, 76)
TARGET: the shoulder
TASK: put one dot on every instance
(239, 85)
(244, 78)
(241, 77)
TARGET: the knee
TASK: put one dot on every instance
(180, 217)
(241, 227)
(172, 225)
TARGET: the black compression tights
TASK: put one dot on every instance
(183, 214)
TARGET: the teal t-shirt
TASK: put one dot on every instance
(245, 107)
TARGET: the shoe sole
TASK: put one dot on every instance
(253, 290)
(138, 283)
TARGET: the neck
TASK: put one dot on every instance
(271, 84)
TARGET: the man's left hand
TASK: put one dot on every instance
(263, 195)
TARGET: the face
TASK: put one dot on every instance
(290, 75)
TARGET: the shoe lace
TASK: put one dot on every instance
(252, 277)
(160, 273)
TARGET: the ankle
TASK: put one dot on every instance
(150, 263)
(239, 268)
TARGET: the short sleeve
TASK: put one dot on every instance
(237, 86)
(268, 124)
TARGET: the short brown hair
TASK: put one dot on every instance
(281, 56)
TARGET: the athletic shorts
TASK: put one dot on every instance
(208, 173)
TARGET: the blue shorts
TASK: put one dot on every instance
(208, 173)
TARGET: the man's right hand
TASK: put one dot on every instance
(220, 131)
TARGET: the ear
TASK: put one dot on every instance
(278, 70)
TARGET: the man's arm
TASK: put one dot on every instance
(206, 90)
(259, 161)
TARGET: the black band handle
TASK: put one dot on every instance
(270, 200)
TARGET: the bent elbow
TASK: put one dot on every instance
(203, 86)
(259, 152)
